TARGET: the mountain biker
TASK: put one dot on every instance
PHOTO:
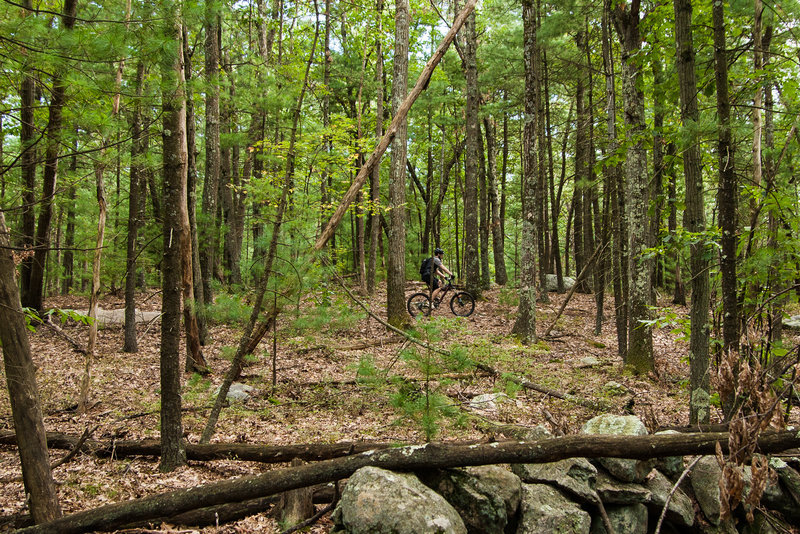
(438, 269)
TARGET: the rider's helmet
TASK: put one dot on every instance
(438, 251)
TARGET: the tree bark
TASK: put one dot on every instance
(396, 264)
(134, 214)
(193, 298)
(173, 452)
(425, 457)
(209, 240)
(375, 176)
(498, 239)
(525, 325)
(22, 391)
(472, 272)
(639, 357)
(727, 199)
(694, 217)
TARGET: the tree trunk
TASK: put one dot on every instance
(483, 215)
(727, 201)
(68, 259)
(134, 213)
(614, 183)
(472, 273)
(413, 458)
(525, 325)
(639, 357)
(694, 217)
(27, 158)
(173, 453)
(498, 240)
(375, 176)
(22, 391)
(396, 267)
(209, 240)
(582, 171)
(193, 299)
(32, 292)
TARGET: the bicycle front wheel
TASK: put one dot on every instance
(462, 304)
(419, 304)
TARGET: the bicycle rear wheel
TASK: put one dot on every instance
(419, 304)
(462, 304)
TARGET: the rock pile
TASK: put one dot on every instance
(568, 496)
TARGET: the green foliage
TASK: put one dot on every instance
(229, 309)
(338, 315)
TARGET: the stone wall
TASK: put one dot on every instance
(575, 495)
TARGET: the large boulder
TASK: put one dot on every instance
(680, 510)
(482, 510)
(627, 470)
(551, 281)
(545, 510)
(575, 476)
(377, 501)
(630, 519)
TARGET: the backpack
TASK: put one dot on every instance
(425, 268)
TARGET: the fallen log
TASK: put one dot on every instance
(409, 458)
(310, 452)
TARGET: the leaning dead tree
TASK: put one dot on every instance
(411, 458)
(397, 121)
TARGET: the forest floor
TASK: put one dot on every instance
(316, 397)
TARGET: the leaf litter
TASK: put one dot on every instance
(317, 397)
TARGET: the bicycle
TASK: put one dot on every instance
(462, 304)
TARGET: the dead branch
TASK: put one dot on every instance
(574, 287)
(48, 322)
(205, 452)
(418, 457)
(397, 120)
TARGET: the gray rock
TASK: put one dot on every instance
(551, 281)
(705, 484)
(613, 491)
(589, 361)
(502, 483)
(546, 511)
(631, 519)
(575, 476)
(783, 496)
(481, 509)
(672, 466)
(238, 392)
(488, 402)
(377, 501)
(620, 425)
(680, 510)
(792, 322)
